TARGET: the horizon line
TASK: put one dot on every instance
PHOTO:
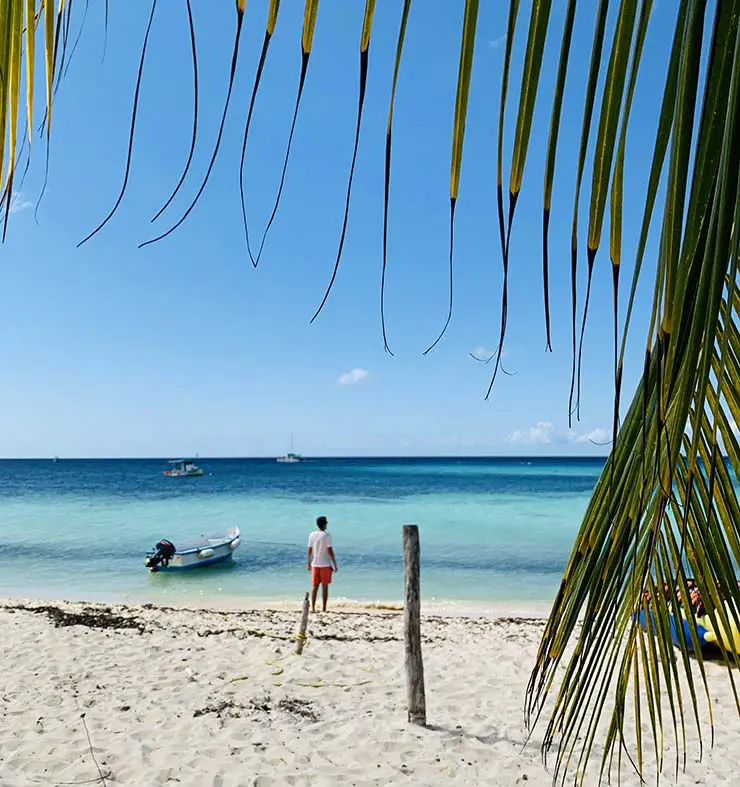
(305, 457)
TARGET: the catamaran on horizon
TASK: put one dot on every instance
(290, 457)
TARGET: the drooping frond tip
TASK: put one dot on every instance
(367, 26)
(464, 74)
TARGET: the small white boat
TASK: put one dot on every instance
(183, 468)
(197, 552)
(290, 458)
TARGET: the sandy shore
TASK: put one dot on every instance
(200, 698)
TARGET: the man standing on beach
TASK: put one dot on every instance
(321, 561)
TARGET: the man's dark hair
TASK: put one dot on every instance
(321, 523)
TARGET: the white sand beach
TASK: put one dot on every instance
(212, 698)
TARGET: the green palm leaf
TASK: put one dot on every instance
(552, 147)
(13, 66)
(502, 222)
(588, 111)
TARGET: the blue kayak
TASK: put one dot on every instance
(700, 631)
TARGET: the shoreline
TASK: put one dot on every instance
(237, 604)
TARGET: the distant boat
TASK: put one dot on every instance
(206, 550)
(290, 457)
(55, 459)
(183, 468)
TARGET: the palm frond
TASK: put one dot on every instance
(132, 131)
(503, 235)
(367, 27)
(387, 179)
(574, 396)
(194, 137)
(552, 147)
(310, 13)
(272, 16)
(12, 65)
(664, 518)
(467, 47)
(240, 10)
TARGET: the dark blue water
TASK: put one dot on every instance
(370, 478)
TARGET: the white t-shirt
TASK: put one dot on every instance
(320, 542)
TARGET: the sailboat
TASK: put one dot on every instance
(290, 457)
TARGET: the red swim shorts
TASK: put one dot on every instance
(321, 575)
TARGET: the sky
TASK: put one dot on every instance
(182, 347)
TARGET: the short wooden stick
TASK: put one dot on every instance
(417, 707)
(301, 636)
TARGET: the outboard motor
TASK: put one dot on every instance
(163, 553)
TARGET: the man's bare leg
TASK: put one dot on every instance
(325, 595)
(314, 593)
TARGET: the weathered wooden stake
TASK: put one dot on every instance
(301, 636)
(417, 706)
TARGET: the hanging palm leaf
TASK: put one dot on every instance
(652, 574)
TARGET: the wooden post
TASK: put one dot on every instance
(301, 636)
(412, 627)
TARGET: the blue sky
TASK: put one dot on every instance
(182, 347)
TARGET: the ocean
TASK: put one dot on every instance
(491, 530)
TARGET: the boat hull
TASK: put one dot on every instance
(200, 552)
(188, 474)
(186, 562)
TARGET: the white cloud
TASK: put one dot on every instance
(599, 435)
(483, 352)
(19, 203)
(353, 377)
(542, 433)
(496, 42)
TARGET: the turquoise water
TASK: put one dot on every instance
(492, 530)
